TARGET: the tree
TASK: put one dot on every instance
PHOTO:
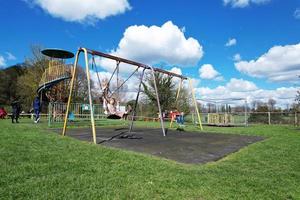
(184, 101)
(166, 91)
(271, 104)
(298, 97)
(80, 92)
(211, 107)
(254, 105)
(8, 83)
(262, 107)
(28, 83)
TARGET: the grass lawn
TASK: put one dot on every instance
(36, 164)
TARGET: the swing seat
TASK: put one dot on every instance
(113, 116)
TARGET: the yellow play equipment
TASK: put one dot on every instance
(57, 71)
(220, 119)
(225, 111)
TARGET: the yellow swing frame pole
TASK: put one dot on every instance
(90, 95)
(176, 101)
(70, 93)
(195, 103)
(89, 90)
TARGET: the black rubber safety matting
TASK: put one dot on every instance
(185, 147)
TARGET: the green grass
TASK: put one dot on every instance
(37, 164)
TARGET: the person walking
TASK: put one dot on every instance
(16, 110)
(37, 108)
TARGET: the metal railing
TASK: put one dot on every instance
(55, 70)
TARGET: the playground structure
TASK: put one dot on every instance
(55, 83)
(225, 112)
(139, 68)
(220, 119)
(55, 79)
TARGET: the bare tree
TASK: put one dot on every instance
(254, 105)
(271, 104)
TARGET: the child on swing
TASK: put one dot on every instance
(177, 116)
(110, 104)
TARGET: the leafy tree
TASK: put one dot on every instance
(262, 107)
(80, 92)
(184, 101)
(28, 83)
(23, 80)
(166, 91)
(8, 83)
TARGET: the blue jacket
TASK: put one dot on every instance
(36, 103)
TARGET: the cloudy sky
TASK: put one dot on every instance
(231, 48)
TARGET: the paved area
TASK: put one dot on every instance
(185, 147)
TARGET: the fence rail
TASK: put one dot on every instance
(56, 113)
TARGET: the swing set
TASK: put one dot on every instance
(139, 68)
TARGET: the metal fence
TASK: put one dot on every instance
(81, 112)
(274, 118)
(242, 118)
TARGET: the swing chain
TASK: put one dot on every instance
(98, 77)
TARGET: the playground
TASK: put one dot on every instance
(162, 100)
(184, 147)
(91, 145)
(38, 162)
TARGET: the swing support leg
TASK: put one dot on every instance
(177, 96)
(70, 93)
(195, 104)
(158, 103)
(90, 95)
(89, 90)
(136, 102)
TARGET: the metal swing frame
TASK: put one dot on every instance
(193, 99)
(119, 60)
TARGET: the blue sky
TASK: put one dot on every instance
(257, 26)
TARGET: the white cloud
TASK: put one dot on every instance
(128, 91)
(110, 65)
(280, 63)
(154, 44)
(2, 62)
(102, 76)
(10, 56)
(243, 3)
(297, 13)
(240, 85)
(4, 59)
(82, 10)
(237, 57)
(176, 70)
(247, 90)
(207, 71)
(231, 42)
